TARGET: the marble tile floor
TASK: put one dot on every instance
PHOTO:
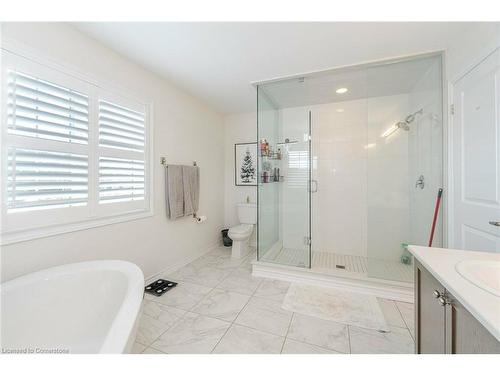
(219, 307)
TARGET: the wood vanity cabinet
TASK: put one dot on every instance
(442, 324)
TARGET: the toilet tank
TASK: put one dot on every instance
(247, 213)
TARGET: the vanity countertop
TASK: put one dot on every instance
(483, 305)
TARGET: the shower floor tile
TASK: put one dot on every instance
(323, 261)
(244, 314)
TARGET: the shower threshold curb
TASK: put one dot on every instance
(394, 290)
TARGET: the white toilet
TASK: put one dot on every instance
(240, 234)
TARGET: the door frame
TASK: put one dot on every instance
(448, 105)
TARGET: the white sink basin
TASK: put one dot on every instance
(483, 273)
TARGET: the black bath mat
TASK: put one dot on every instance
(159, 287)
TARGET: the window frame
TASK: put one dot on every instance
(23, 226)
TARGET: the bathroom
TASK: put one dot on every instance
(300, 200)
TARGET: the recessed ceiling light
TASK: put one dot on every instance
(340, 110)
(370, 145)
(341, 90)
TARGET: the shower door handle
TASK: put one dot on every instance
(495, 223)
(313, 186)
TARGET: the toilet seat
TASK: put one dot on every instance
(241, 230)
(240, 234)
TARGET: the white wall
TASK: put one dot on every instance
(240, 128)
(469, 47)
(185, 129)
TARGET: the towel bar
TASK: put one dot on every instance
(163, 161)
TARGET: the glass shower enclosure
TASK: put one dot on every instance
(349, 165)
(284, 203)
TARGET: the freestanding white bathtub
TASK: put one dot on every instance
(89, 307)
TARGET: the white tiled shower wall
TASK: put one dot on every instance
(426, 156)
(342, 164)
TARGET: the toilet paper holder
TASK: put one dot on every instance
(199, 219)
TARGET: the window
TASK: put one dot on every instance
(298, 169)
(75, 153)
(40, 109)
(39, 179)
(121, 130)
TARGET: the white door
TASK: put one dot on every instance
(476, 157)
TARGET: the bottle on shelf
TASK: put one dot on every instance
(265, 177)
(263, 144)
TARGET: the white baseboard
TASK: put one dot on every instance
(392, 290)
(183, 262)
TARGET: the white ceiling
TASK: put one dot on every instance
(394, 78)
(218, 61)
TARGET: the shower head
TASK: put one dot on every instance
(410, 118)
(403, 125)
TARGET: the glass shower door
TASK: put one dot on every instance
(404, 170)
(284, 180)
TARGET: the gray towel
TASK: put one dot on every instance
(191, 182)
(174, 193)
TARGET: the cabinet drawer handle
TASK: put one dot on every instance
(444, 301)
(437, 294)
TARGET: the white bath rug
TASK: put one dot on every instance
(355, 309)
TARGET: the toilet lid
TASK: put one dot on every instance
(240, 229)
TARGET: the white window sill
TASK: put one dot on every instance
(33, 234)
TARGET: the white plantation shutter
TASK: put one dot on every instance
(120, 180)
(37, 108)
(43, 179)
(75, 155)
(120, 127)
(121, 171)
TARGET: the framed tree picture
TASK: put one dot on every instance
(245, 164)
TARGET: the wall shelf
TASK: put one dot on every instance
(281, 179)
(272, 156)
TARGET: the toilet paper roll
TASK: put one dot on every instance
(201, 219)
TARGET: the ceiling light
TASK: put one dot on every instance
(341, 90)
(340, 110)
(370, 145)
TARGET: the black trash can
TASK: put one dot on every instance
(225, 238)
